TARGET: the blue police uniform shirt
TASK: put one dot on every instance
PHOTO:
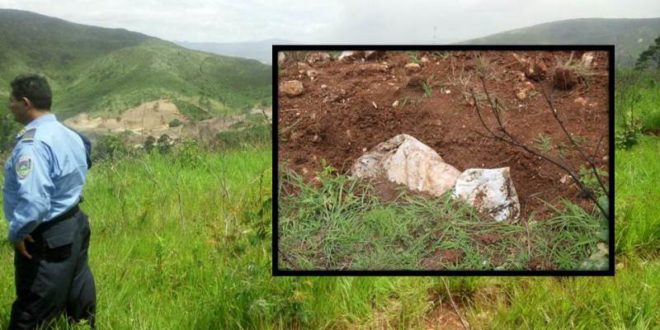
(44, 175)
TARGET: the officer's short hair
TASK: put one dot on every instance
(35, 88)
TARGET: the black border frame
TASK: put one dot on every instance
(275, 221)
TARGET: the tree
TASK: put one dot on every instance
(149, 143)
(650, 58)
(164, 143)
(175, 123)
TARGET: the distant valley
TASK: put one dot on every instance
(630, 37)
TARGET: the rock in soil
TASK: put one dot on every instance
(405, 160)
(350, 55)
(587, 60)
(314, 57)
(292, 88)
(373, 54)
(412, 67)
(490, 191)
(302, 67)
(536, 70)
(312, 74)
(372, 67)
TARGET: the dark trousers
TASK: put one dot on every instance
(57, 279)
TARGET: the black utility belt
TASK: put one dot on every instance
(62, 217)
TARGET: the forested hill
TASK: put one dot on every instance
(106, 71)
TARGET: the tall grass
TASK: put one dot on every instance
(180, 244)
(637, 196)
(341, 224)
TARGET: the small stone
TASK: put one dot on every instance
(565, 179)
(312, 74)
(424, 59)
(581, 101)
(373, 54)
(372, 67)
(395, 104)
(587, 59)
(324, 86)
(374, 104)
(349, 55)
(314, 57)
(292, 88)
(536, 70)
(448, 91)
(412, 67)
(302, 67)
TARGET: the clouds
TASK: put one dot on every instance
(355, 21)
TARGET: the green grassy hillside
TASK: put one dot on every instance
(196, 254)
(102, 70)
(630, 36)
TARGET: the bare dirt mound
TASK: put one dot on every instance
(156, 118)
(347, 107)
(150, 118)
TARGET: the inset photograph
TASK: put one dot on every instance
(435, 160)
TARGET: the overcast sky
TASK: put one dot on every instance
(309, 21)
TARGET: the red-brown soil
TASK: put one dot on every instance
(348, 107)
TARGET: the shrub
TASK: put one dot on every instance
(149, 143)
(164, 143)
(252, 135)
(175, 123)
(109, 147)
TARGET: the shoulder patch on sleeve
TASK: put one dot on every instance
(24, 166)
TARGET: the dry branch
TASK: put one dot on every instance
(503, 135)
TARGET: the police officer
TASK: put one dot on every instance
(44, 178)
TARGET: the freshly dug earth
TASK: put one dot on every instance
(347, 107)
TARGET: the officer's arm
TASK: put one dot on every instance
(35, 187)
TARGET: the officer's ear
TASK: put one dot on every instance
(26, 102)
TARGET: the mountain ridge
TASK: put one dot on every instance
(630, 36)
(106, 71)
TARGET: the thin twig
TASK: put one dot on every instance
(598, 146)
(570, 138)
(453, 304)
(507, 137)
